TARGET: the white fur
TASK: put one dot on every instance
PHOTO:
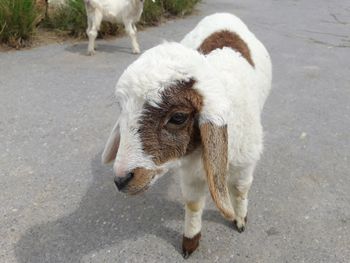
(194, 188)
(234, 93)
(127, 12)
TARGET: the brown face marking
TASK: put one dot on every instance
(223, 39)
(189, 245)
(165, 140)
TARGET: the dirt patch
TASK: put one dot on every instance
(41, 38)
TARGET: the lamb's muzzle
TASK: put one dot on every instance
(121, 182)
(136, 181)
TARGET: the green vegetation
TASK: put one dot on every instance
(71, 18)
(18, 19)
(152, 12)
(179, 7)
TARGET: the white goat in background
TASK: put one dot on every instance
(127, 12)
(195, 106)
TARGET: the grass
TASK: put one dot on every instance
(18, 20)
(179, 7)
(152, 13)
(71, 18)
(68, 19)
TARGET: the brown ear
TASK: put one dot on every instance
(112, 145)
(214, 143)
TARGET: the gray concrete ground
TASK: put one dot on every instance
(59, 204)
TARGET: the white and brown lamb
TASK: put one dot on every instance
(195, 106)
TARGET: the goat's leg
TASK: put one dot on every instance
(89, 22)
(239, 185)
(94, 22)
(131, 30)
(194, 190)
(134, 27)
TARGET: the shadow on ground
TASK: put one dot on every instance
(113, 47)
(105, 218)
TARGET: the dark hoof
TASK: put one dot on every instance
(186, 254)
(189, 245)
(240, 228)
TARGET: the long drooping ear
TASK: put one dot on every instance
(214, 143)
(112, 145)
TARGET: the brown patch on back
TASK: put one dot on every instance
(165, 143)
(223, 39)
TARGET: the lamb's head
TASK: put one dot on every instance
(147, 140)
(167, 112)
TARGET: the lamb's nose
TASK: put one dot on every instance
(121, 182)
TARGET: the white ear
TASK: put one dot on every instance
(112, 145)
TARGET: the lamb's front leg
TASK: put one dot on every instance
(193, 225)
(239, 185)
(194, 194)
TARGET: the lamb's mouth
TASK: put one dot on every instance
(137, 190)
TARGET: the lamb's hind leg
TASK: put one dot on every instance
(131, 30)
(239, 185)
(194, 190)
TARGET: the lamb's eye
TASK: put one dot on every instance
(178, 118)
